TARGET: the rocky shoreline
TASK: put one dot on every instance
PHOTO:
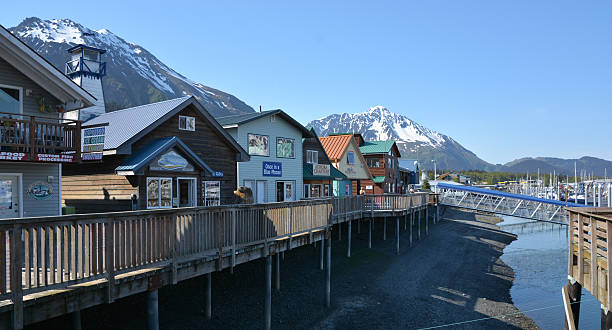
(451, 277)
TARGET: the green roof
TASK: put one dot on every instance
(378, 179)
(376, 147)
(334, 174)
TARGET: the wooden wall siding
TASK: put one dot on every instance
(390, 173)
(205, 142)
(107, 166)
(13, 77)
(98, 193)
(313, 144)
(33, 172)
(377, 188)
(252, 170)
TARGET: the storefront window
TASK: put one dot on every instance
(284, 148)
(159, 193)
(327, 192)
(212, 193)
(306, 191)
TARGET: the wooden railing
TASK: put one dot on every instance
(55, 252)
(32, 135)
(590, 250)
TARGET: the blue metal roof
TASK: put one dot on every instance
(506, 194)
(137, 162)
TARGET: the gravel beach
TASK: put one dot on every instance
(451, 277)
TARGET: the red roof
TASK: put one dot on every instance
(335, 145)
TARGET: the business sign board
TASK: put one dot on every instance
(217, 174)
(93, 143)
(272, 169)
(55, 158)
(320, 169)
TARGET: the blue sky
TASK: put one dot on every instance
(506, 79)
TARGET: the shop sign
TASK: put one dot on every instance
(7, 155)
(272, 169)
(320, 169)
(93, 143)
(40, 190)
(55, 158)
(217, 174)
(171, 161)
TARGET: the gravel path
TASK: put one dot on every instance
(452, 275)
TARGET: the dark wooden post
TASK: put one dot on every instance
(574, 291)
(16, 284)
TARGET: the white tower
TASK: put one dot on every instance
(86, 69)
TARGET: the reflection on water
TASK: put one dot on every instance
(539, 260)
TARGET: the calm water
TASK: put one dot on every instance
(539, 259)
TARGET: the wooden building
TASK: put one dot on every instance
(382, 160)
(319, 173)
(343, 151)
(34, 139)
(159, 155)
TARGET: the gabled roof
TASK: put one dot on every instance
(129, 125)
(335, 145)
(237, 120)
(35, 67)
(377, 147)
(138, 161)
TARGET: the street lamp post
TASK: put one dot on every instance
(435, 171)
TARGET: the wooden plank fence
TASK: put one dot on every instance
(47, 253)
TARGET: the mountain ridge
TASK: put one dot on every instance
(134, 75)
(414, 140)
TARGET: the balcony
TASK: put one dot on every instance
(39, 139)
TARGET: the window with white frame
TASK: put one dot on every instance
(312, 156)
(350, 157)
(284, 147)
(159, 193)
(212, 193)
(186, 123)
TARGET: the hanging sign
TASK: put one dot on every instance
(55, 158)
(171, 161)
(93, 143)
(7, 155)
(272, 169)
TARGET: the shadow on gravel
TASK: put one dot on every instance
(452, 275)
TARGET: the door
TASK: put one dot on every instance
(186, 192)
(9, 197)
(261, 191)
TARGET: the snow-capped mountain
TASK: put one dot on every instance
(414, 140)
(134, 76)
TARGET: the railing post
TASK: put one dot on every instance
(175, 247)
(77, 141)
(16, 284)
(233, 241)
(109, 258)
(32, 143)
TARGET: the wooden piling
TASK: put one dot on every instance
(348, 238)
(277, 277)
(574, 291)
(209, 296)
(328, 274)
(384, 228)
(76, 320)
(411, 222)
(268, 293)
(322, 253)
(152, 310)
(370, 233)
(397, 235)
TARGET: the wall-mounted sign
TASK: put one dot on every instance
(55, 158)
(369, 187)
(217, 174)
(6, 155)
(171, 161)
(40, 190)
(93, 143)
(320, 169)
(272, 169)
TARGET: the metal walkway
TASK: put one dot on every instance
(504, 203)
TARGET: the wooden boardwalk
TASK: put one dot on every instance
(58, 265)
(590, 253)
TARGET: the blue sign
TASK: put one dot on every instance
(217, 174)
(272, 169)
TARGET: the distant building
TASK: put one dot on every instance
(273, 140)
(382, 160)
(343, 151)
(409, 174)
